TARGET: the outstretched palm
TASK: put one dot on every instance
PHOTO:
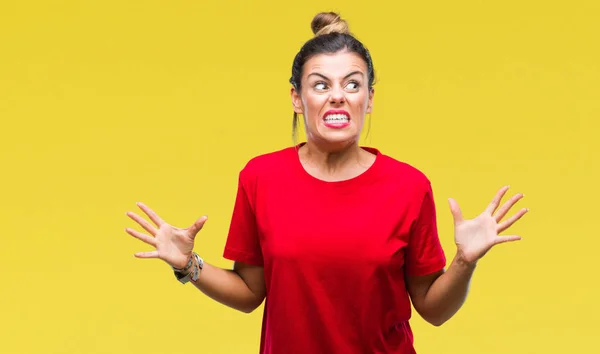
(475, 237)
(173, 245)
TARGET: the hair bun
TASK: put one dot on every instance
(328, 22)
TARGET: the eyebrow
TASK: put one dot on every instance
(345, 77)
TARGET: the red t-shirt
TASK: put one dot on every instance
(335, 254)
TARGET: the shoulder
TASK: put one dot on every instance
(402, 180)
(403, 171)
(267, 163)
(405, 180)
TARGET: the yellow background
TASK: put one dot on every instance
(105, 103)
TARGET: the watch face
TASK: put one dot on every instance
(185, 279)
(181, 277)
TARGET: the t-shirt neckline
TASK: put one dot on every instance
(360, 179)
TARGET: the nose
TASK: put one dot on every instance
(337, 96)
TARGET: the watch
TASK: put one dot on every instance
(192, 274)
(186, 267)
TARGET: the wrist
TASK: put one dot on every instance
(184, 267)
(192, 270)
(464, 263)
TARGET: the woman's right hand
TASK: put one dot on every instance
(173, 245)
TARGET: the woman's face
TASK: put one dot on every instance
(334, 98)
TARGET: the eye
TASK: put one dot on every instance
(320, 86)
(352, 85)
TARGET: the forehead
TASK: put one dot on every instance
(335, 64)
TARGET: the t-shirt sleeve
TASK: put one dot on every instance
(424, 254)
(243, 243)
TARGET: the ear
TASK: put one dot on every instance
(370, 102)
(296, 101)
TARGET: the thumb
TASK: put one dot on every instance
(197, 226)
(455, 210)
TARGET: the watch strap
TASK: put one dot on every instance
(193, 270)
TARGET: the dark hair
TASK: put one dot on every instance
(331, 36)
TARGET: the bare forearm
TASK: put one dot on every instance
(448, 292)
(227, 287)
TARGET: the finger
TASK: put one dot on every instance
(455, 210)
(504, 239)
(197, 226)
(496, 201)
(151, 214)
(151, 254)
(508, 223)
(143, 223)
(506, 206)
(142, 237)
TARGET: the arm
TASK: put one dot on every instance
(242, 288)
(437, 297)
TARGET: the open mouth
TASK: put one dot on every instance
(336, 118)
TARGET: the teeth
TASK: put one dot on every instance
(336, 118)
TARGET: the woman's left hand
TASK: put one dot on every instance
(477, 236)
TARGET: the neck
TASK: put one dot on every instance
(337, 163)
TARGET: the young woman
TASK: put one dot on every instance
(338, 238)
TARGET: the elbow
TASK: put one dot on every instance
(435, 316)
(250, 306)
(437, 322)
(247, 309)
(435, 319)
